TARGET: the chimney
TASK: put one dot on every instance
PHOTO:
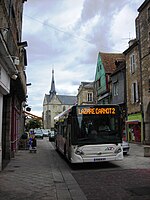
(131, 42)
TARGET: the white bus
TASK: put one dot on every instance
(89, 133)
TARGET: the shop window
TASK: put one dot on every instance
(134, 132)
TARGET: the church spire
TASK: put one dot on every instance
(52, 91)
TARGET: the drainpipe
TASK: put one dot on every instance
(141, 80)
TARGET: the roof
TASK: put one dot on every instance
(47, 97)
(64, 99)
(143, 5)
(52, 91)
(67, 100)
(87, 84)
(119, 67)
(109, 59)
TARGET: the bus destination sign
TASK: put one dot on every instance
(97, 111)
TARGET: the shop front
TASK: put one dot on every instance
(134, 128)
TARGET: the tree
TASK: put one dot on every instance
(32, 124)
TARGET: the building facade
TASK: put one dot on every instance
(86, 93)
(105, 67)
(54, 104)
(138, 79)
(12, 78)
(143, 36)
(118, 91)
(133, 90)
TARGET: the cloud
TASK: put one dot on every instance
(67, 35)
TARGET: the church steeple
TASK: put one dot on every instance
(52, 91)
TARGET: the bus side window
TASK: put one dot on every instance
(62, 130)
(65, 132)
(69, 120)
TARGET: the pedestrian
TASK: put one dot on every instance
(32, 143)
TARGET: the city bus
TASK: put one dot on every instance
(89, 133)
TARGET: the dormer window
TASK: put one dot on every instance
(90, 97)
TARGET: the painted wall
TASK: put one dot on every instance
(100, 74)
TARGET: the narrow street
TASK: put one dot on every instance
(46, 175)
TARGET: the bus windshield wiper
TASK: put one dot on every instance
(83, 139)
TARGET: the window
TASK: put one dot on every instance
(148, 16)
(132, 63)
(98, 83)
(115, 88)
(149, 85)
(64, 108)
(134, 92)
(90, 97)
(99, 67)
(149, 42)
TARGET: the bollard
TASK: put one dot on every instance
(146, 151)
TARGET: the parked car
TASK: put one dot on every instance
(45, 132)
(38, 133)
(126, 147)
(51, 136)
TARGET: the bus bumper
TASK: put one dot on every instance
(88, 159)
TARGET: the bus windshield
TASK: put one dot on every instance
(92, 129)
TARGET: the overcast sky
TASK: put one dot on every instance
(66, 35)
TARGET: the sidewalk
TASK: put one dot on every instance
(38, 176)
(135, 158)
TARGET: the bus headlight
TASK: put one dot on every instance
(118, 150)
(79, 152)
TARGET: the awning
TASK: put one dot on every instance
(133, 121)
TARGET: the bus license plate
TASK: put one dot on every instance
(99, 159)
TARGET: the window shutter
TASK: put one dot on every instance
(137, 92)
(131, 64)
(132, 93)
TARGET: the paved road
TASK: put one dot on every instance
(124, 180)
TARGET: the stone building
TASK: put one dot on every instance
(138, 78)
(86, 94)
(133, 90)
(12, 78)
(143, 36)
(54, 104)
